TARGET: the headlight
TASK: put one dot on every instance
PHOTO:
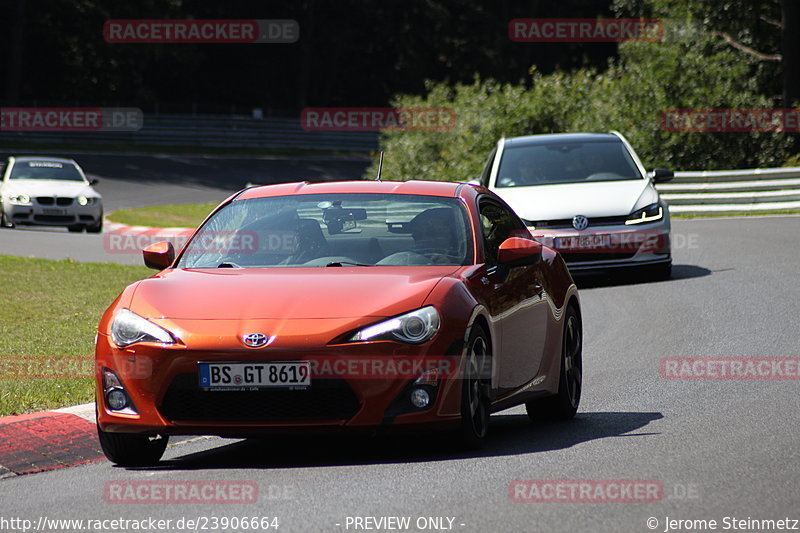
(415, 327)
(20, 199)
(82, 200)
(129, 328)
(651, 213)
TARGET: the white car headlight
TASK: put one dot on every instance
(20, 199)
(129, 328)
(651, 213)
(415, 327)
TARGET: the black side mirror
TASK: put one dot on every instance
(660, 175)
(94, 181)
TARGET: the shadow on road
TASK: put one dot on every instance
(509, 435)
(613, 279)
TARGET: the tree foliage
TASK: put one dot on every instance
(692, 68)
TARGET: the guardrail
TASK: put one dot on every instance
(733, 191)
(211, 131)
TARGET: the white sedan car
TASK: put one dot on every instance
(588, 196)
(49, 191)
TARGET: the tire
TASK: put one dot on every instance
(660, 272)
(95, 228)
(3, 222)
(127, 449)
(75, 228)
(564, 404)
(475, 391)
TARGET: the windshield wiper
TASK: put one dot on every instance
(228, 264)
(343, 263)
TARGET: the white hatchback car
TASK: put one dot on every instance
(49, 191)
(588, 196)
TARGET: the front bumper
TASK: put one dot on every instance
(163, 385)
(38, 215)
(609, 247)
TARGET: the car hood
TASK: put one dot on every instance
(50, 188)
(285, 293)
(599, 199)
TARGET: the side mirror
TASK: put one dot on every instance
(94, 181)
(159, 255)
(517, 251)
(660, 175)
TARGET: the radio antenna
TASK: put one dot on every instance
(380, 167)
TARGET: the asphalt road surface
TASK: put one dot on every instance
(722, 449)
(134, 180)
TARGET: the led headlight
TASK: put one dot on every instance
(651, 213)
(20, 199)
(129, 328)
(82, 200)
(415, 327)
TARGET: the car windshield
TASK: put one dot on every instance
(565, 162)
(45, 170)
(332, 230)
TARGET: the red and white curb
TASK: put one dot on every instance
(122, 239)
(48, 440)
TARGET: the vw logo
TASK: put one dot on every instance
(580, 222)
(255, 340)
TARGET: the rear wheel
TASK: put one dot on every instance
(564, 404)
(475, 390)
(126, 449)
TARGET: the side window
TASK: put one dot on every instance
(497, 225)
(487, 168)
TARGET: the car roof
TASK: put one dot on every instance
(425, 188)
(551, 138)
(25, 158)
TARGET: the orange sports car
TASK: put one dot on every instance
(340, 306)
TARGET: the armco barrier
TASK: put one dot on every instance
(211, 131)
(733, 191)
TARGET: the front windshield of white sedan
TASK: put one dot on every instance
(45, 170)
(565, 162)
(333, 230)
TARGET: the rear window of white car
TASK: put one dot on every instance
(45, 170)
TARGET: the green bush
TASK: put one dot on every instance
(688, 70)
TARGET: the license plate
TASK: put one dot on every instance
(250, 376)
(583, 242)
(54, 211)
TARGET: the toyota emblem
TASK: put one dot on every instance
(580, 222)
(255, 340)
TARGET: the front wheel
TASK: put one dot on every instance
(75, 228)
(564, 404)
(4, 223)
(127, 449)
(475, 391)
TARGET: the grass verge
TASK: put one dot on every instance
(164, 216)
(48, 321)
